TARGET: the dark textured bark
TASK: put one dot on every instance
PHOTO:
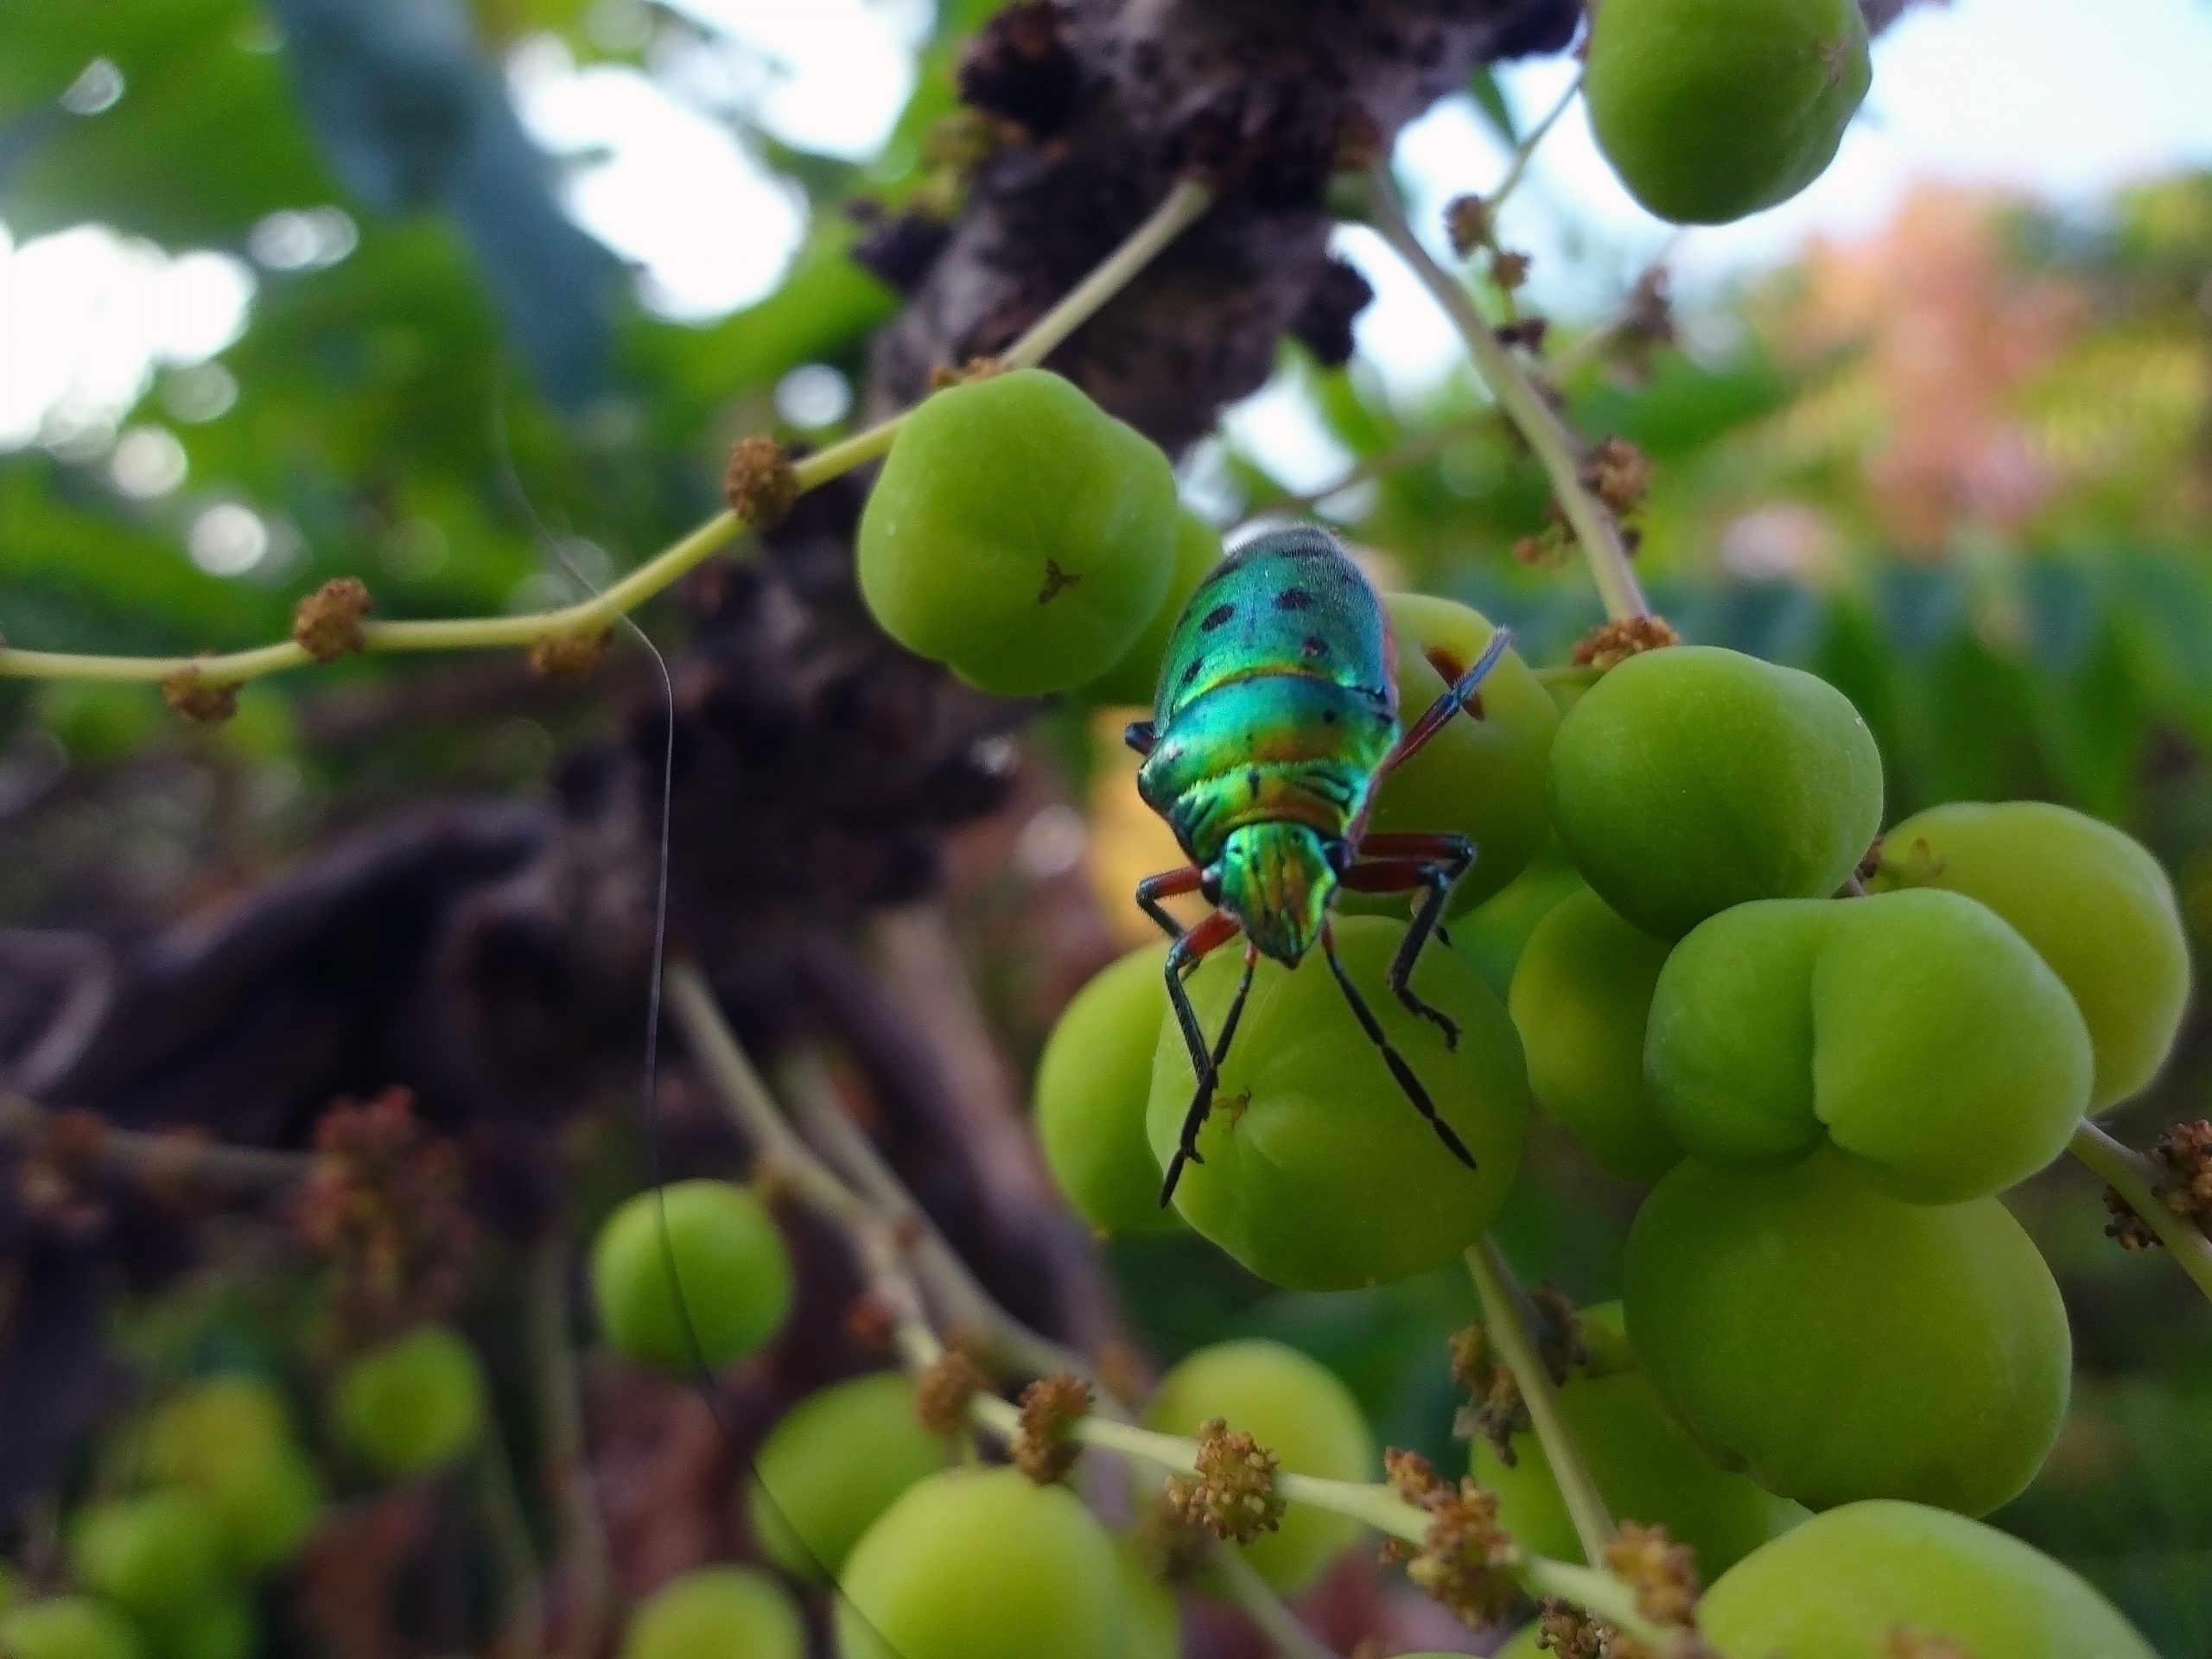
(492, 957)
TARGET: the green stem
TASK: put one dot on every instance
(565, 1458)
(1181, 205)
(1585, 1505)
(159, 1157)
(1526, 148)
(2135, 1179)
(1267, 1610)
(1547, 436)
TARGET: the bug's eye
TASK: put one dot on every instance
(1141, 736)
(1340, 856)
(1209, 886)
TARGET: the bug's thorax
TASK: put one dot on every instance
(1279, 880)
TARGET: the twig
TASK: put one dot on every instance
(522, 1582)
(1556, 447)
(160, 1157)
(1267, 1610)
(590, 616)
(2135, 1179)
(1415, 446)
(565, 1455)
(1526, 147)
(1585, 1505)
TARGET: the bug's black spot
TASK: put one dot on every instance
(1191, 672)
(1214, 618)
(1252, 781)
(1315, 645)
(1293, 599)
(1328, 717)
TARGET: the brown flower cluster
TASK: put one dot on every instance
(944, 1390)
(1045, 1448)
(384, 1206)
(1232, 1494)
(327, 623)
(759, 483)
(1467, 1560)
(1610, 644)
(203, 703)
(1495, 1410)
(571, 656)
(1663, 1573)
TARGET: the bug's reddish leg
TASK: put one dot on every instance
(1166, 885)
(1183, 957)
(1432, 722)
(1433, 862)
(1404, 1073)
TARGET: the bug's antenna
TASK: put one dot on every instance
(1201, 1102)
(1396, 1061)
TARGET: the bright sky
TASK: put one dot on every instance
(2058, 98)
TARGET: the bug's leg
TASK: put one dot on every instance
(1434, 864)
(1186, 1145)
(1183, 957)
(1168, 884)
(1396, 1061)
(1461, 693)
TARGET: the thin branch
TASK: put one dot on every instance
(160, 1156)
(2135, 1179)
(1555, 447)
(565, 1454)
(590, 616)
(1585, 1505)
(1268, 1612)
(522, 1581)
(1415, 446)
(1526, 147)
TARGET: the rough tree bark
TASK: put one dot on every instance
(492, 956)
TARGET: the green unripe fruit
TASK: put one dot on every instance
(1582, 996)
(228, 1443)
(1834, 1343)
(1710, 109)
(1319, 1174)
(1494, 933)
(731, 1267)
(1093, 1085)
(154, 1554)
(1483, 774)
(983, 1564)
(413, 1404)
(1019, 534)
(223, 1627)
(1846, 1583)
(69, 1627)
(836, 1461)
(1294, 1408)
(1693, 779)
(1155, 1622)
(1521, 1644)
(1914, 1030)
(11, 1587)
(1645, 1468)
(2094, 903)
(1134, 679)
(717, 1612)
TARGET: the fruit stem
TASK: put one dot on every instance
(592, 616)
(1267, 1611)
(2132, 1175)
(514, 1555)
(1526, 147)
(564, 1456)
(1501, 1299)
(1554, 446)
(159, 1157)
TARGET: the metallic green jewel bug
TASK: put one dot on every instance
(1276, 722)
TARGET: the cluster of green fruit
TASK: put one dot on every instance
(167, 1572)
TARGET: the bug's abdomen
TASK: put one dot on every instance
(1268, 748)
(1292, 604)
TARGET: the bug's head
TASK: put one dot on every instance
(1279, 880)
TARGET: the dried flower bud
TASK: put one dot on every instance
(2126, 1228)
(944, 1390)
(1663, 1573)
(1528, 333)
(1466, 1561)
(1466, 221)
(1566, 1630)
(1232, 1494)
(1610, 644)
(759, 483)
(1495, 1412)
(571, 656)
(2184, 1153)
(870, 1323)
(1509, 270)
(1045, 1448)
(201, 702)
(1618, 475)
(327, 623)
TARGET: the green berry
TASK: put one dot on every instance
(1135, 680)
(1710, 109)
(1155, 1620)
(984, 1564)
(1494, 933)
(1483, 775)
(1693, 779)
(834, 1463)
(1019, 534)
(717, 1612)
(1093, 1085)
(1319, 1174)
(1834, 1343)
(227, 1441)
(154, 1554)
(1646, 1470)
(1582, 996)
(2094, 902)
(1297, 1409)
(414, 1404)
(221, 1627)
(1846, 1583)
(732, 1287)
(69, 1627)
(1914, 1030)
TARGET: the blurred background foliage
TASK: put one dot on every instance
(1961, 468)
